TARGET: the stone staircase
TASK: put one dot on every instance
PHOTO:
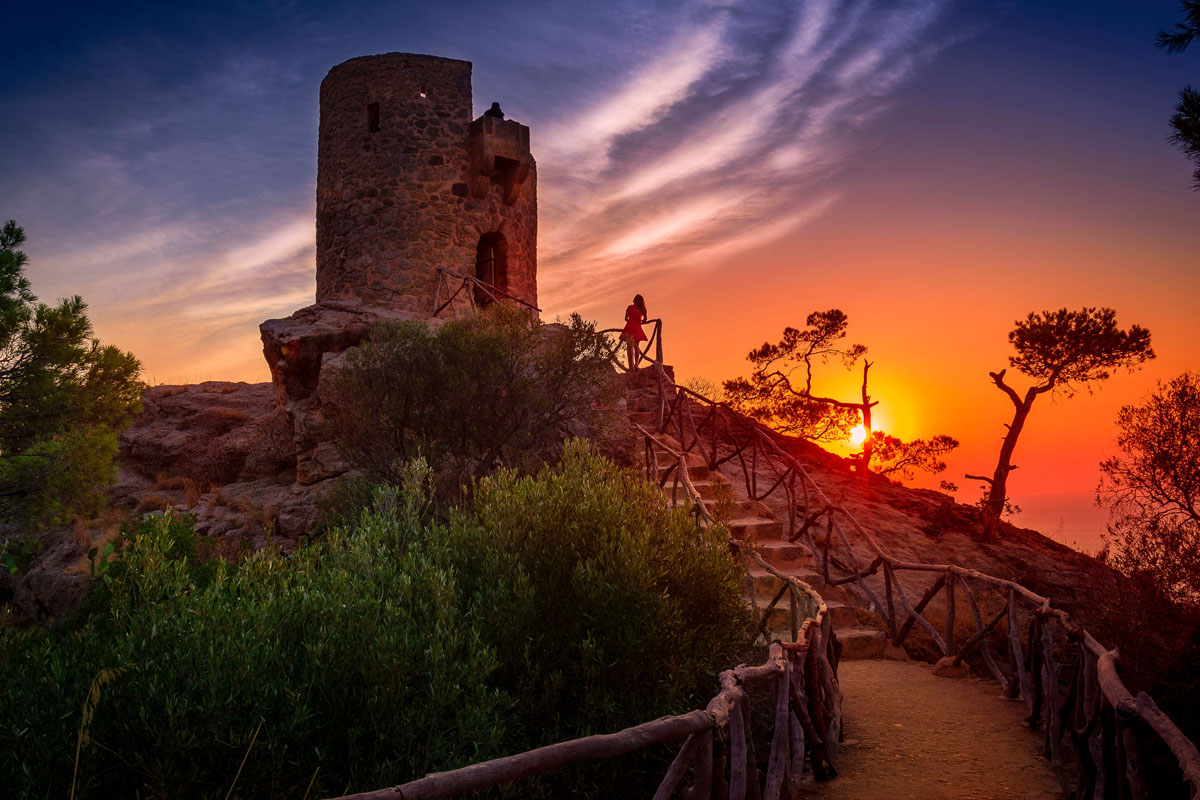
(753, 522)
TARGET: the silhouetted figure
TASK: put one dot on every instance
(635, 315)
(494, 111)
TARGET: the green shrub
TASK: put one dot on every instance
(500, 389)
(56, 479)
(356, 662)
(560, 605)
(63, 398)
(604, 607)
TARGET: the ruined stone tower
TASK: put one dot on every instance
(408, 183)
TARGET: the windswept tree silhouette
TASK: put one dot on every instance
(780, 393)
(1152, 489)
(1065, 352)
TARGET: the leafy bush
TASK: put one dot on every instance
(556, 606)
(604, 607)
(1152, 489)
(58, 477)
(356, 662)
(500, 389)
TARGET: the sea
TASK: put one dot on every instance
(1072, 518)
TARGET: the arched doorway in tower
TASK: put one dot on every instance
(491, 265)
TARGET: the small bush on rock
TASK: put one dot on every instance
(498, 390)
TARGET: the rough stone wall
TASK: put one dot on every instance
(394, 204)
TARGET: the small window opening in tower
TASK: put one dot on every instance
(491, 267)
(372, 117)
(422, 92)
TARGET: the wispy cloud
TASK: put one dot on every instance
(168, 175)
(735, 145)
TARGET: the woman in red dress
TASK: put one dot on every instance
(635, 315)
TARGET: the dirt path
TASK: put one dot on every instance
(911, 735)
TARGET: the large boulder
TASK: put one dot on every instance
(222, 451)
(212, 433)
(53, 586)
(298, 349)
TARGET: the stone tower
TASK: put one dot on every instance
(408, 183)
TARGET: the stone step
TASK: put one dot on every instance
(843, 615)
(744, 509)
(755, 529)
(840, 614)
(780, 553)
(707, 486)
(767, 584)
(697, 468)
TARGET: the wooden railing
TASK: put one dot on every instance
(653, 342)
(1079, 702)
(1067, 679)
(468, 284)
(718, 746)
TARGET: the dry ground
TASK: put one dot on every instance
(911, 735)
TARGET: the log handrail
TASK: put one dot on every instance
(747, 440)
(653, 340)
(470, 282)
(801, 673)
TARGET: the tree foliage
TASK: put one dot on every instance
(780, 390)
(904, 459)
(1065, 352)
(63, 397)
(1070, 351)
(1185, 122)
(501, 389)
(1152, 488)
(780, 393)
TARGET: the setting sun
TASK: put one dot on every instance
(858, 435)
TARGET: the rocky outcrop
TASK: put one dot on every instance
(298, 350)
(213, 433)
(55, 584)
(223, 451)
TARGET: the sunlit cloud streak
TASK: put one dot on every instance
(736, 148)
(170, 175)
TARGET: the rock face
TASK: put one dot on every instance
(408, 183)
(299, 349)
(223, 451)
(52, 587)
(213, 433)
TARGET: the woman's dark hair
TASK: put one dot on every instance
(641, 304)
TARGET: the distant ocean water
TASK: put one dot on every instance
(1071, 518)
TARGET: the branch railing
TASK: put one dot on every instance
(1067, 679)
(469, 284)
(653, 342)
(717, 751)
